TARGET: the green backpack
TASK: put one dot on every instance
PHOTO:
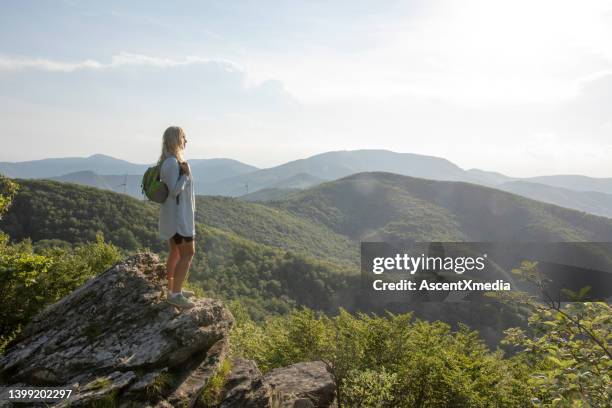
(152, 186)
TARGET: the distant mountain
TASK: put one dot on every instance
(108, 173)
(304, 173)
(207, 171)
(576, 182)
(570, 182)
(229, 177)
(588, 201)
(85, 178)
(333, 165)
(589, 194)
(128, 184)
(489, 178)
(46, 168)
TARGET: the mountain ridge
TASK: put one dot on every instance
(228, 177)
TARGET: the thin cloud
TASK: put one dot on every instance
(117, 61)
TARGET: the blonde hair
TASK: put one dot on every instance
(171, 144)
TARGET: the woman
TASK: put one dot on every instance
(176, 216)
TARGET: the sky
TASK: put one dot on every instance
(522, 87)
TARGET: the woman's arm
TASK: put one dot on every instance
(170, 176)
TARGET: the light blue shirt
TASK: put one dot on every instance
(175, 217)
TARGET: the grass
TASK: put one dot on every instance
(160, 384)
(98, 383)
(212, 392)
(108, 400)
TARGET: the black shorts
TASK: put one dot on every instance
(178, 238)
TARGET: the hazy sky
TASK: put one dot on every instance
(523, 87)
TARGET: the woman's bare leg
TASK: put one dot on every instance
(186, 252)
(173, 258)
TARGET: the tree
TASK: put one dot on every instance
(8, 189)
(567, 346)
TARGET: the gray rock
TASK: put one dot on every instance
(101, 388)
(302, 384)
(244, 386)
(198, 375)
(115, 335)
(148, 381)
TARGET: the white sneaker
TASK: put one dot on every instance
(180, 301)
(188, 293)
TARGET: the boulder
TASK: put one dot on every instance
(301, 385)
(244, 386)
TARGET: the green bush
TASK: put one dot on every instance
(30, 280)
(369, 388)
(392, 360)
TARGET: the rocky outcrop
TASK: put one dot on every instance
(117, 342)
(117, 337)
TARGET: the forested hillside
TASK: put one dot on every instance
(383, 206)
(276, 227)
(45, 210)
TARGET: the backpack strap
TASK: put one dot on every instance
(180, 174)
